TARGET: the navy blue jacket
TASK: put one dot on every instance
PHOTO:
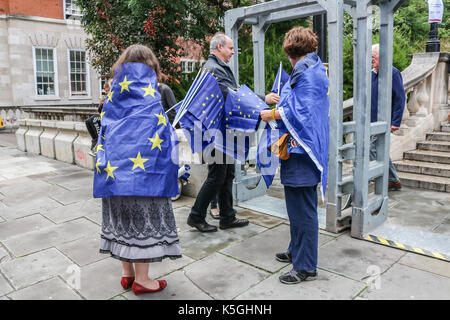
(398, 98)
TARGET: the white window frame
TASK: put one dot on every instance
(88, 77)
(78, 16)
(195, 64)
(55, 79)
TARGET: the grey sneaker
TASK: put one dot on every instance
(294, 276)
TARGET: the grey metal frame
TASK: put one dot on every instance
(366, 213)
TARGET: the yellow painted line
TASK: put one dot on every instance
(383, 241)
(438, 255)
(400, 245)
(418, 250)
(369, 238)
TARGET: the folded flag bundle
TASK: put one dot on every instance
(136, 153)
(201, 111)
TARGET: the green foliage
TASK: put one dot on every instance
(113, 25)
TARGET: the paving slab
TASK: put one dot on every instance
(72, 211)
(259, 219)
(101, 280)
(160, 269)
(179, 287)
(353, 258)
(50, 236)
(183, 201)
(43, 265)
(5, 287)
(74, 181)
(181, 214)
(328, 286)
(404, 283)
(4, 255)
(23, 225)
(26, 208)
(83, 251)
(260, 250)
(218, 282)
(444, 227)
(67, 197)
(52, 289)
(426, 264)
(198, 245)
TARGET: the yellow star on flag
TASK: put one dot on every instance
(156, 142)
(149, 90)
(97, 164)
(110, 94)
(110, 171)
(161, 119)
(124, 85)
(102, 114)
(99, 147)
(138, 162)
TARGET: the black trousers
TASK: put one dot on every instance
(218, 183)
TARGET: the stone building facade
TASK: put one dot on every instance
(43, 59)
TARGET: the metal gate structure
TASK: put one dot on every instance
(369, 210)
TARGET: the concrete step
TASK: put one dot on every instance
(443, 146)
(419, 167)
(428, 156)
(445, 127)
(438, 136)
(425, 181)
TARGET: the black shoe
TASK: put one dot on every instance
(293, 276)
(284, 257)
(202, 226)
(236, 223)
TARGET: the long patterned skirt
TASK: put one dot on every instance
(139, 229)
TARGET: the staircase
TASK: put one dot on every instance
(428, 167)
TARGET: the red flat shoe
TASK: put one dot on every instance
(126, 282)
(138, 289)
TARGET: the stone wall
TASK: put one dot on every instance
(69, 141)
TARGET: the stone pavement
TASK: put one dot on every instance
(49, 236)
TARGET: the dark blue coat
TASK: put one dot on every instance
(398, 98)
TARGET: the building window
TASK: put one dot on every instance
(78, 72)
(71, 9)
(188, 66)
(45, 71)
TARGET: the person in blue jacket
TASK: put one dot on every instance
(398, 105)
(302, 112)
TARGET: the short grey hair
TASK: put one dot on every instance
(218, 38)
(376, 48)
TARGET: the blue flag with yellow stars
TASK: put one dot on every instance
(241, 120)
(201, 111)
(281, 79)
(136, 152)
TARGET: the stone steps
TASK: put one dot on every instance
(425, 181)
(442, 146)
(427, 156)
(420, 167)
(438, 136)
(428, 167)
(445, 127)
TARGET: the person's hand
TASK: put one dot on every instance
(272, 98)
(394, 128)
(266, 115)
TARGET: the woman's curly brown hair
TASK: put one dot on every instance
(300, 41)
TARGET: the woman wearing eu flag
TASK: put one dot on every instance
(304, 126)
(135, 175)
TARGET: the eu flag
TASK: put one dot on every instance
(241, 120)
(281, 79)
(136, 152)
(201, 111)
